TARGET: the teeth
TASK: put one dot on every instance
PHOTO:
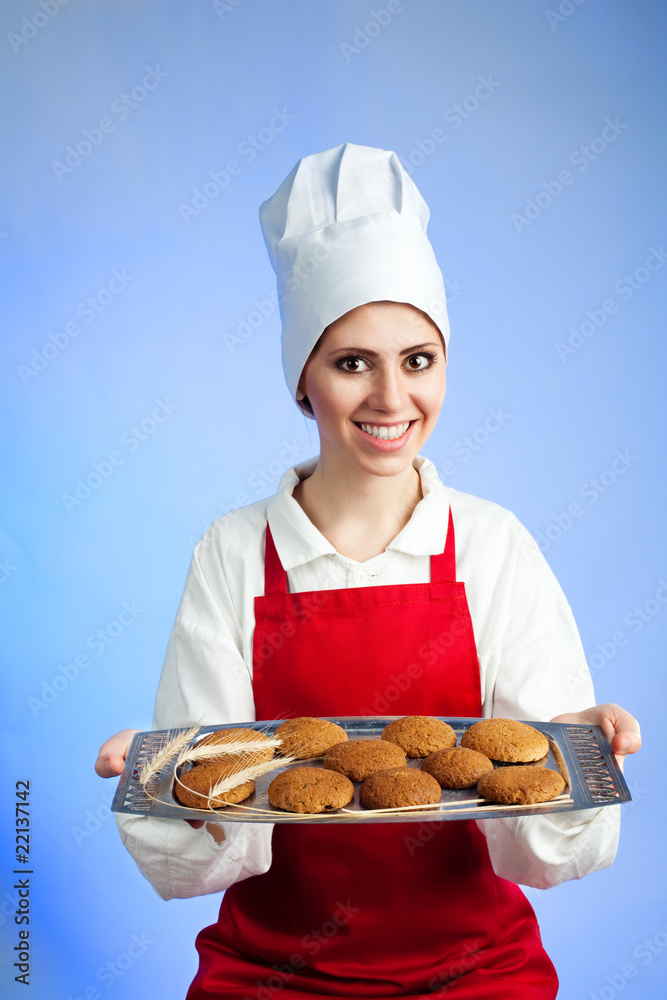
(386, 433)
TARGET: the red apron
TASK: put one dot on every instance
(384, 910)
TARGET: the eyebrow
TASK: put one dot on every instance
(375, 354)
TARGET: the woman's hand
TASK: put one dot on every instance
(620, 728)
(111, 762)
(111, 758)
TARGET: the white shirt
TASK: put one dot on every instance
(532, 667)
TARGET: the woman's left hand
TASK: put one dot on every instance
(620, 728)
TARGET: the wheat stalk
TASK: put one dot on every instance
(211, 750)
(174, 746)
(237, 777)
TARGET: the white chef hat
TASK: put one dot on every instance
(347, 227)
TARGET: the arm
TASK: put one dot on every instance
(206, 680)
(541, 670)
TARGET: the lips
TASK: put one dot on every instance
(386, 437)
(386, 432)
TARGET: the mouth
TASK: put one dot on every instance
(386, 432)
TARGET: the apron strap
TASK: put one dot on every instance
(275, 577)
(443, 566)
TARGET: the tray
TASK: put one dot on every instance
(582, 754)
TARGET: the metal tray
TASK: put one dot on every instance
(582, 754)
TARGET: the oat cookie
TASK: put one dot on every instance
(357, 759)
(310, 790)
(520, 785)
(419, 735)
(506, 740)
(456, 768)
(306, 737)
(245, 759)
(399, 786)
(199, 781)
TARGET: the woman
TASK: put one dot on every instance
(366, 587)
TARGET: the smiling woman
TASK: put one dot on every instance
(410, 587)
(375, 384)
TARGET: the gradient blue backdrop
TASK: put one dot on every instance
(181, 323)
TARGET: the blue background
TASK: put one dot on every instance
(191, 323)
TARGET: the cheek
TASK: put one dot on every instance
(335, 397)
(435, 399)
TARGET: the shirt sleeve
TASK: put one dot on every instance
(541, 672)
(204, 680)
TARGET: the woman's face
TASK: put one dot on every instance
(376, 383)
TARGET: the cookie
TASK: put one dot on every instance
(237, 760)
(306, 737)
(520, 785)
(419, 735)
(310, 790)
(399, 786)
(456, 768)
(357, 759)
(506, 740)
(199, 781)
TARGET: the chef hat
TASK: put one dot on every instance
(346, 227)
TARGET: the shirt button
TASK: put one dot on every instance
(360, 576)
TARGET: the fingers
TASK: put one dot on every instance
(111, 758)
(620, 728)
(109, 765)
(625, 742)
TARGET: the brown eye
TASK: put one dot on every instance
(417, 362)
(352, 365)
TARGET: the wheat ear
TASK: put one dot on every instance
(211, 750)
(249, 774)
(162, 757)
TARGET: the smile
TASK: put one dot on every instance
(384, 432)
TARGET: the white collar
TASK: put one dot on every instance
(298, 541)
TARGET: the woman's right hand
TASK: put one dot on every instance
(111, 758)
(111, 762)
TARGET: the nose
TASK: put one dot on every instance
(388, 392)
